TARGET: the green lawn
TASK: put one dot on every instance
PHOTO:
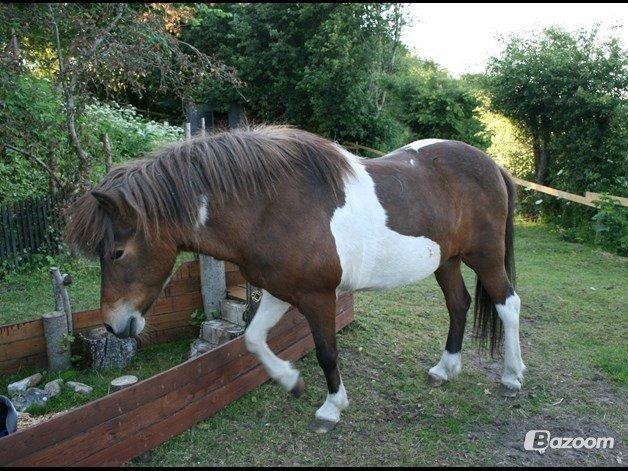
(574, 326)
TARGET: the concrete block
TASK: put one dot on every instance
(219, 331)
(233, 311)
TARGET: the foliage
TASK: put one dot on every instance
(33, 118)
(111, 46)
(434, 104)
(569, 93)
(510, 147)
(611, 225)
(317, 66)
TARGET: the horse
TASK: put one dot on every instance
(306, 220)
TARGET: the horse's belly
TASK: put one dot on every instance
(384, 260)
(372, 256)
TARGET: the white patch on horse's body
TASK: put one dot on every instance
(334, 405)
(514, 368)
(202, 213)
(448, 367)
(416, 145)
(269, 312)
(372, 256)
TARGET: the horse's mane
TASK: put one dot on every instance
(168, 184)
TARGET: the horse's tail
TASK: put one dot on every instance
(486, 323)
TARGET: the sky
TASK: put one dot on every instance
(461, 36)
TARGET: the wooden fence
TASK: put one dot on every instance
(30, 227)
(127, 423)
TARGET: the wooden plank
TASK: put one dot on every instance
(103, 429)
(590, 196)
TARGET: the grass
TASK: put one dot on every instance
(574, 326)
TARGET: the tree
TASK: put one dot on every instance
(566, 90)
(434, 104)
(111, 45)
(318, 66)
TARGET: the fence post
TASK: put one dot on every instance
(106, 145)
(62, 300)
(212, 271)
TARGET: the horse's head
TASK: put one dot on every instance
(133, 269)
(134, 265)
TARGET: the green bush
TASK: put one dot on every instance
(611, 225)
(32, 112)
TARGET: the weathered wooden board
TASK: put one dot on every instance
(125, 424)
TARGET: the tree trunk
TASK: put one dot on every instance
(541, 158)
(107, 150)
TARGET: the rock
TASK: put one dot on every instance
(219, 331)
(21, 386)
(32, 396)
(79, 388)
(232, 311)
(53, 388)
(200, 346)
(122, 382)
(102, 350)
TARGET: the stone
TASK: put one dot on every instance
(102, 350)
(21, 386)
(32, 396)
(122, 382)
(53, 388)
(219, 331)
(200, 346)
(233, 311)
(79, 388)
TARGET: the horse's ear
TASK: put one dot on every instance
(106, 201)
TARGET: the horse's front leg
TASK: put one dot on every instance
(320, 311)
(269, 312)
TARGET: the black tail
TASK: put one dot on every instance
(486, 323)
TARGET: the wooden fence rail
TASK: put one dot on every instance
(29, 227)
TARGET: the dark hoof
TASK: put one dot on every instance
(506, 391)
(322, 426)
(298, 388)
(434, 380)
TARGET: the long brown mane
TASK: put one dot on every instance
(167, 185)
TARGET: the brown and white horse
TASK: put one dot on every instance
(306, 220)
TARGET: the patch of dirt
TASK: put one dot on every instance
(509, 451)
(25, 420)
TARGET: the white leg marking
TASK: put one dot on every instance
(269, 312)
(448, 367)
(513, 365)
(334, 405)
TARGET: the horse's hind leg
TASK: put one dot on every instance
(320, 312)
(458, 301)
(492, 275)
(269, 312)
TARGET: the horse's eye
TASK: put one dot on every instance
(117, 254)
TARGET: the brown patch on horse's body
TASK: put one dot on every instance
(452, 193)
